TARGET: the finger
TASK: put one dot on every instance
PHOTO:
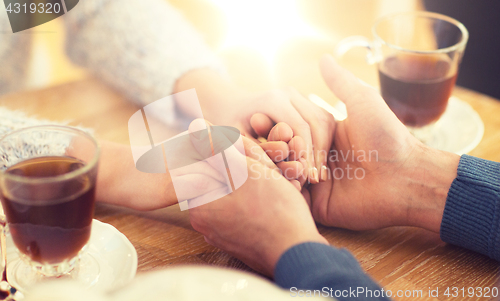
(357, 95)
(291, 170)
(200, 138)
(254, 151)
(305, 133)
(276, 150)
(261, 124)
(281, 132)
(290, 115)
(251, 137)
(297, 148)
(322, 126)
(304, 177)
(296, 184)
(347, 87)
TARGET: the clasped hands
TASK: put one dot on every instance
(394, 180)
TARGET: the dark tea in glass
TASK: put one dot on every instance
(418, 55)
(50, 224)
(47, 189)
(417, 87)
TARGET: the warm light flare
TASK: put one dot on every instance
(263, 25)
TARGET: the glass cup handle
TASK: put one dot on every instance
(374, 54)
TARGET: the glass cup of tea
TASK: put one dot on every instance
(418, 55)
(47, 186)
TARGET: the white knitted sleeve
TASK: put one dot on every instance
(141, 47)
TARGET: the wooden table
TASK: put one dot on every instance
(399, 258)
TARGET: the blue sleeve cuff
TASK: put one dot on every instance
(315, 266)
(471, 217)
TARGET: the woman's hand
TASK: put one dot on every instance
(223, 104)
(120, 183)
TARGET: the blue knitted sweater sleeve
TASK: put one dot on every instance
(471, 217)
(311, 269)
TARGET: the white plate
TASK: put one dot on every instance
(115, 255)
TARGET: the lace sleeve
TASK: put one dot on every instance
(15, 120)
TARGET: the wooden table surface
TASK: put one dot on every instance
(399, 258)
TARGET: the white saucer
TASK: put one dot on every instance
(115, 255)
(459, 130)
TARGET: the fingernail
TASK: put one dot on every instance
(324, 173)
(304, 167)
(314, 174)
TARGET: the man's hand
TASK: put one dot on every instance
(380, 175)
(259, 221)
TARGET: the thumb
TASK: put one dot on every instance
(347, 87)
